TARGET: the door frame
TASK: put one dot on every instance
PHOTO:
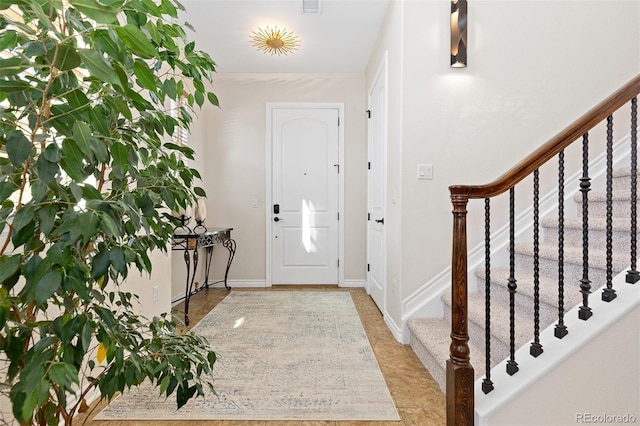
(268, 178)
(382, 74)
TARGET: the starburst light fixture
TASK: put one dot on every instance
(274, 40)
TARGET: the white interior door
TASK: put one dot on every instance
(376, 268)
(305, 195)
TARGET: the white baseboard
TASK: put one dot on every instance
(240, 284)
(396, 330)
(232, 283)
(353, 283)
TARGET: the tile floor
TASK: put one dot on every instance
(417, 396)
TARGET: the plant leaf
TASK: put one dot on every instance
(18, 147)
(101, 354)
(116, 256)
(96, 11)
(47, 216)
(145, 76)
(119, 154)
(23, 217)
(213, 99)
(6, 189)
(82, 136)
(72, 160)
(64, 57)
(98, 66)
(8, 40)
(13, 85)
(47, 286)
(100, 264)
(63, 374)
(47, 170)
(9, 267)
(12, 66)
(137, 41)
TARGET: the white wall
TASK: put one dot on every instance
(143, 284)
(533, 68)
(231, 146)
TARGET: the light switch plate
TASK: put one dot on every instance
(425, 171)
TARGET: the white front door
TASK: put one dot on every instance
(376, 270)
(305, 195)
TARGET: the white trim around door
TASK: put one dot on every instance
(376, 278)
(270, 107)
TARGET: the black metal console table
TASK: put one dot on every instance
(189, 243)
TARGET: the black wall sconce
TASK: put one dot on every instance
(458, 33)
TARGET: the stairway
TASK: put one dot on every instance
(430, 338)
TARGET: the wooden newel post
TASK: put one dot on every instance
(460, 402)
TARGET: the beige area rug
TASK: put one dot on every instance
(281, 356)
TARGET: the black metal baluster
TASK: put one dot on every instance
(633, 275)
(561, 329)
(536, 347)
(487, 384)
(608, 294)
(585, 184)
(512, 365)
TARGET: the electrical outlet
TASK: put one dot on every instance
(156, 294)
(254, 203)
(393, 286)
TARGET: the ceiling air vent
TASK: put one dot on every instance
(311, 7)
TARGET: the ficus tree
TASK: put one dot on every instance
(88, 172)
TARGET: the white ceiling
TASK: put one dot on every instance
(338, 40)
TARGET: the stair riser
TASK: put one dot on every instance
(621, 208)
(621, 240)
(572, 272)
(623, 183)
(524, 303)
(436, 370)
(499, 345)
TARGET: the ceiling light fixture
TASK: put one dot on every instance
(274, 40)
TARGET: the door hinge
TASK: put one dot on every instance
(369, 165)
(338, 121)
(338, 260)
(338, 215)
(368, 216)
(368, 113)
(368, 267)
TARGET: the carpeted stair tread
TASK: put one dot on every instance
(434, 335)
(600, 196)
(548, 288)
(622, 172)
(573, 255)
(597, 223)
(499, 320)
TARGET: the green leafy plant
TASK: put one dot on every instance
(88, 175)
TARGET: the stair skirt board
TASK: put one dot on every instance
(556, 351)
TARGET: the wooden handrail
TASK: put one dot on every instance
(459, 371)
(553, 146)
